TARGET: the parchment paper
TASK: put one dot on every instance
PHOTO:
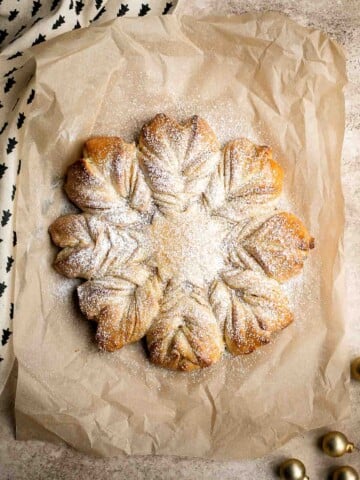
(260, 76)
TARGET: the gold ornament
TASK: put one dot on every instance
(335, 444)
(345, 473)
(355, 368)
(293, 469)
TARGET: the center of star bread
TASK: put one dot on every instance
(188, 246)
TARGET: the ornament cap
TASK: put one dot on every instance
(350, 447)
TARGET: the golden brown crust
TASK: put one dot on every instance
(246, 178)
(250, 171)
(123, 310)
(70, 231)
(178, 159)
(99, 149)
(108, 177)
(94, 247)
(248, 336)
(280, 245)
(185, 336)
(251, 307)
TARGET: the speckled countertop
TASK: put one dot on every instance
(38, 460)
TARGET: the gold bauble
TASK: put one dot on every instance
(345, 473)
(355, 368)
(335, 444)
(293, 469)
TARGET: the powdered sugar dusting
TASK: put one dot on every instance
(188, 246)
